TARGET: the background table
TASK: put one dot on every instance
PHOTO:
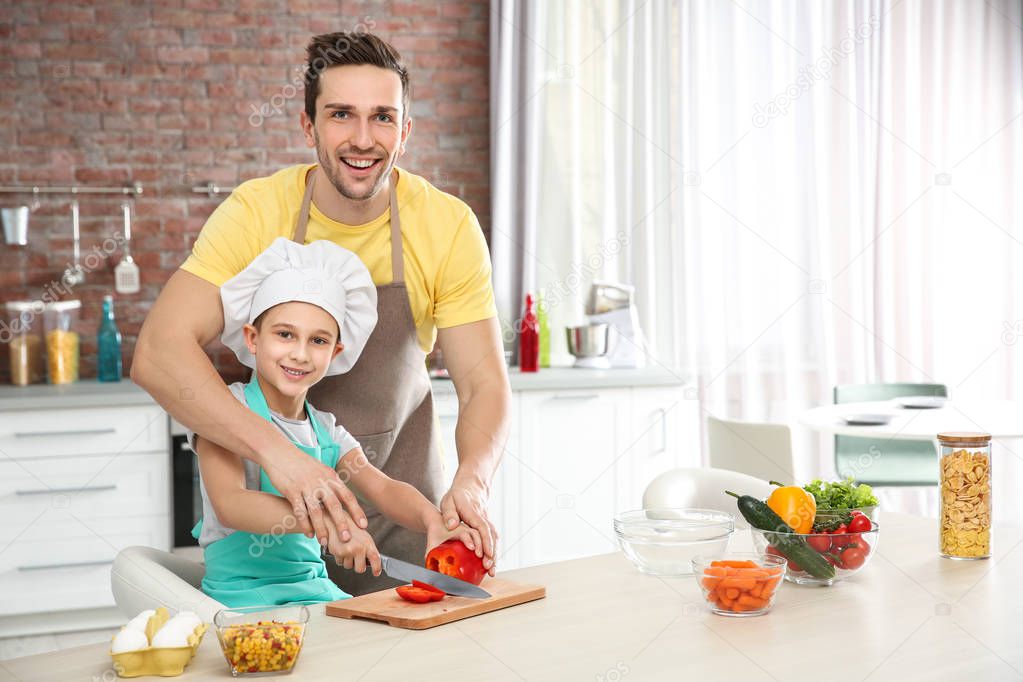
(910, 615)
(1000, 418)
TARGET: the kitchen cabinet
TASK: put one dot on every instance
(86, 474)
(583, 445)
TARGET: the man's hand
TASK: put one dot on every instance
(310, 486)
(436, 534)
(467, 503)
(356, 552)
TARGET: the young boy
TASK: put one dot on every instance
(296, 314)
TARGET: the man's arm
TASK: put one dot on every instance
(170, 364)
(474, 356)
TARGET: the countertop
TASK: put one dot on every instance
(92, 393)
(87, 393)
(555, 378)
(909, 615)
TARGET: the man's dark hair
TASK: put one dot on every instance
(350, 49)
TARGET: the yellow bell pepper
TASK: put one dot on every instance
(794, 505)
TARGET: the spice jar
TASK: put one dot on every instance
(25, 346)
(60, 321)
(965, 495)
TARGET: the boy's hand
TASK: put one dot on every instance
(355, 553)
(436, 533)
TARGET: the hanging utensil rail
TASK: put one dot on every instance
(132, 188)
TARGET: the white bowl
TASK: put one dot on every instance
(664, 542)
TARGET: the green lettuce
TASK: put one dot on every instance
(840, 495)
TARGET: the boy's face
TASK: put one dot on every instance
(294, 345)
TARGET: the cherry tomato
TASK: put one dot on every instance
(859, 524)
(820, 542)
(852, 558)
(859, 541)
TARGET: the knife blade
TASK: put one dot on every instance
(403, 570)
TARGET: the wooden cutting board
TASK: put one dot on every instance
(388, 607)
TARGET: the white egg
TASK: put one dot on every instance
(139, 621)
(129, 640)
(188, 618)
(171, 637)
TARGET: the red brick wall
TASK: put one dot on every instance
(97, 93)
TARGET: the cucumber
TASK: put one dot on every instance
(780, 534)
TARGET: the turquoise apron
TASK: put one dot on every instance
(249, 569)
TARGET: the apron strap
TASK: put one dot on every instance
(303, 212)
(256, 401)
(397, 248)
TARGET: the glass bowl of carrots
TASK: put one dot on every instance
(740, 583)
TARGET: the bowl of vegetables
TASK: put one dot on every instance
(740, 584)
(822, 546)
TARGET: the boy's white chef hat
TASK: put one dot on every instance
(321, 273)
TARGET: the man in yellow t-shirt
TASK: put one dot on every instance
(428, 258)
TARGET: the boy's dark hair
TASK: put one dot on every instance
(351, 49)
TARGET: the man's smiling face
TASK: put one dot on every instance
(359, 131)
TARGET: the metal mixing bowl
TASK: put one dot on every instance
(589, 341)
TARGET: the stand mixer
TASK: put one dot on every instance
(612, 336)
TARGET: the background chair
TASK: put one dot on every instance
(886, 462)
(146, 578)
(704, 488)
(760, 450)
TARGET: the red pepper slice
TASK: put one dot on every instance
(418, 595)
(427, 586)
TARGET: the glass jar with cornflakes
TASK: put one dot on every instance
(965, 517)
(24, 341)
(60, 325)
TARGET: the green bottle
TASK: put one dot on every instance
(545, 331)
(108, 343)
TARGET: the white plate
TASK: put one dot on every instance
(866, 419)
(921, 402)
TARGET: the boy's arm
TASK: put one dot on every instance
(405, 505)
(398, 501)
(223, 474)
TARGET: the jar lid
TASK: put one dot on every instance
(964, 438)
(62, 306)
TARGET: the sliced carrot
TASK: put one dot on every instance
(756, 574)
(749, 600)
(732, 593)
(767, 590)
(724, 602)
(734, 564)
(756, 590)
(710, 583)
(719, 571)
(745, 584)
(746, 607)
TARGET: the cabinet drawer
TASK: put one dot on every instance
(53, 433)
(66, 565)
(87, 487)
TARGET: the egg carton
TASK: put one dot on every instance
(162, 661)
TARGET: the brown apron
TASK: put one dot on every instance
(386, 403)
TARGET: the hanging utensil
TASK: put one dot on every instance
(74, 275)
(126, 274)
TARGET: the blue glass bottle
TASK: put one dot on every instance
(108, 343)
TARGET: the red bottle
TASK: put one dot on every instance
(529, 339)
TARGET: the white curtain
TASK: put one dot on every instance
(805, 194)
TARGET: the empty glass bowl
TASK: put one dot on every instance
(664, 542)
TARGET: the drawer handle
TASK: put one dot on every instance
(79, 432)
(584, 396)
(77, 564)
(82, 489)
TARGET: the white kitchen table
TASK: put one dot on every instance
(909, 615)
(1000, 418)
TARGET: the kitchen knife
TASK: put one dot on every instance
(403, 570)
